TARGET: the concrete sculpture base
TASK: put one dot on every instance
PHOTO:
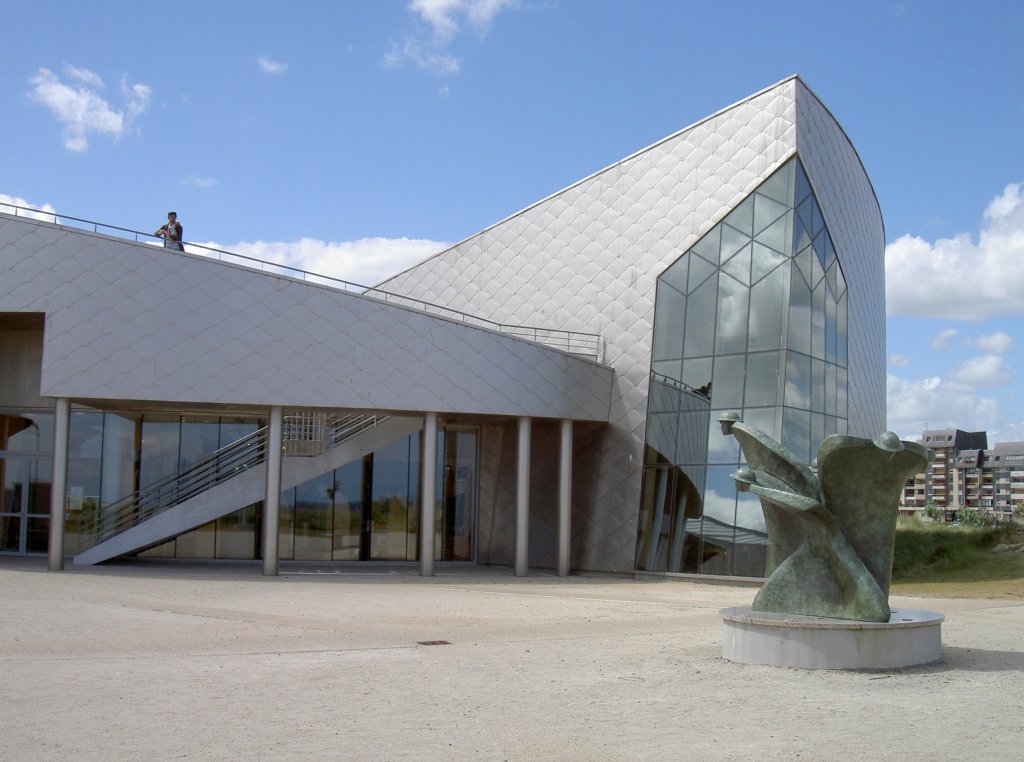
(910, 638)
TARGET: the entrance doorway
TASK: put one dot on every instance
(25, 507)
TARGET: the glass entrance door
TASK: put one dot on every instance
(25, 506)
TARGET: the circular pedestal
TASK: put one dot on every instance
(910, 638)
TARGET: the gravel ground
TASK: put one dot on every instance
(149, 661)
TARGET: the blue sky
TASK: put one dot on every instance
(353, 138)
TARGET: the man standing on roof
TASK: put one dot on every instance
(171, 232)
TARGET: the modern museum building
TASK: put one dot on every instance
(544, 394)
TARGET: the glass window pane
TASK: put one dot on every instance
(817, 385)
(798, 337)
(158, 457)
(697, 374)
(700, 319)
(25, 431)
(763, 260)
(796, 433)
(236, 534)
(798, 381)
(662, 432)
(732, 241)
(707, 247)
(391, 500)
(764, 418)
(762, 379)
(841, 332)
(199, 438)
(692, 442)
(780, 185)
(830, 328)
(830, 389)
(655, 519)
(10, 534)
(768, 301)
(742, 217)
(817, 432)
(818, 322)
(738, 265)
(314, 513)
(346, 544)
(733, 298)
(667, 368)
(721, 448)
(727, 385)
(675, 275)
(669, 313)
(767, 212)
(700, 271)
(841, 393)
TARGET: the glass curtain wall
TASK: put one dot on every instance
(752, 318)
(367, 510)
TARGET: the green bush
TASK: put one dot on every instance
(948, 553)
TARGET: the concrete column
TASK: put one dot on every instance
(522, 549)
(59, 482)
(428, 498)
(272, 494)
(564, 496)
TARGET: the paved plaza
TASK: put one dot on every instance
(161, 661)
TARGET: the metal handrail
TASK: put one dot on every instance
(573, 342)
(207, 472)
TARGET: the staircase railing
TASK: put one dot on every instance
(574, 342)
(217, 467)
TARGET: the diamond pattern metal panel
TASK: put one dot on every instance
(133, 322)
(587, 259)
(853, 217)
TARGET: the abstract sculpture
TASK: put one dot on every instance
(831, 532)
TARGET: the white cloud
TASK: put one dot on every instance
(958, 278)
(46, 212)
(444, 20)
(899, 361)
(412, 49)
(366, 262)
(270, 66)
(199, 182)
(917, 404)
(982, 372)
(996, 343)
(940, 342)
(86, 77)
(82, 110)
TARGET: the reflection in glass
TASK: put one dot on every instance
(798, 380)
(768, 311)
(727, 391)
(731, 333)
(700, 318)
(762, 379)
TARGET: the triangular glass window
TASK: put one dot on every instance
(700, 270)
(739, 265)
(707, 246)
(675, 275)
(776, 235)
(732, 241)
(742, 217)
(803, 187)
(779, 187)
(766, 211)
(763, 260)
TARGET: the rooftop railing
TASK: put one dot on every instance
(574, 342)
